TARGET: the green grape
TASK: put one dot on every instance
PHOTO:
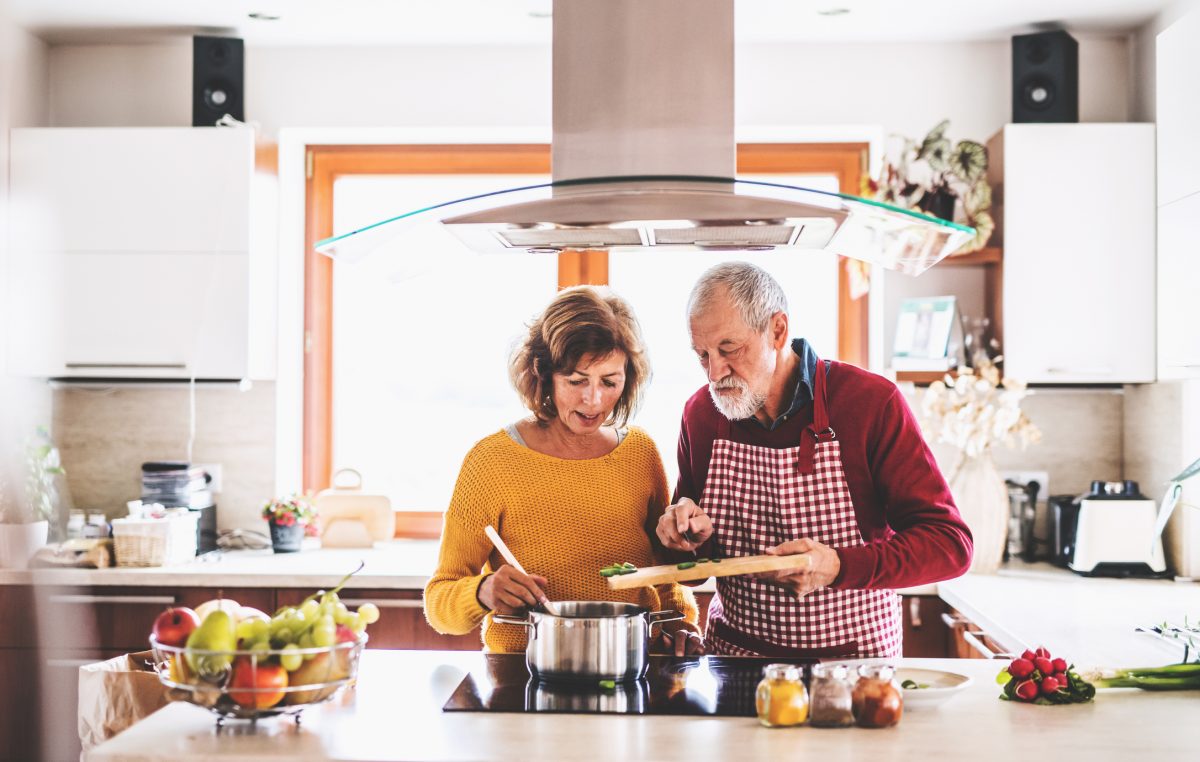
(290, 660)
(252, 629)
(359, 625)
(306, 641)
(283, 635)
(369, 613)
(344, 616)
(339, 608)
(323, 634)
(260, 647)
(309, 609)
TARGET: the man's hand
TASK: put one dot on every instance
(508, 590)
(824, 569)
(683, 526)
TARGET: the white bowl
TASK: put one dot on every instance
(942, 686)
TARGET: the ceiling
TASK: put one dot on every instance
(442, 22)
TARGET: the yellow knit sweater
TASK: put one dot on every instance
(563, 519)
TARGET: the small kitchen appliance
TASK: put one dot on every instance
(1115, 533)
(1064, 516)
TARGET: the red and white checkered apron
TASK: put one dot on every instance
(759, 497)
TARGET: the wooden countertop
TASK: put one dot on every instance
(395, 713)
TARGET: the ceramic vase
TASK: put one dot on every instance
(18, 543)
(286, 538)
(982, 499)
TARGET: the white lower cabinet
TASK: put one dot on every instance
(1179, 289)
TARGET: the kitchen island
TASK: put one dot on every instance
(395, 712)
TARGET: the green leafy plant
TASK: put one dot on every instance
(941, 178)
(43, 470)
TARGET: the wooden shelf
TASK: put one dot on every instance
(988, 255)
(922, 377)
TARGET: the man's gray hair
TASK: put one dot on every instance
(754, 293)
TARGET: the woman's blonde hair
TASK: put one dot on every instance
(579, 321)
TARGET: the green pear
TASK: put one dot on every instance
(216, 633)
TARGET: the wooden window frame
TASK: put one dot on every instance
(326, 163)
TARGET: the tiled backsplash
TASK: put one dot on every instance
(106, 434)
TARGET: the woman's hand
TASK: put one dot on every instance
(680, 643)
(683, 526)
(507, 591)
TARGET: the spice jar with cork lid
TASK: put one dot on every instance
(877, 700)
(830, 697)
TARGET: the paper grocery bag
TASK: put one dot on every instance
(116, 693)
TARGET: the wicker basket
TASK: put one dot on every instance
(156, 542)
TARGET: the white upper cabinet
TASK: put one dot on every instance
(1078, 217)
(1177, 94)
(1178, 304)
(130, 252)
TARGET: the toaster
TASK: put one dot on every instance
(1115, 533)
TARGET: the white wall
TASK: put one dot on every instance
(1143, 58)
(24, 404)
(906, 88)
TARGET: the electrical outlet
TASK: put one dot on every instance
(1024, 477)
(214, 470)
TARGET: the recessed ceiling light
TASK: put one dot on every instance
(833, 12)
(259, 16)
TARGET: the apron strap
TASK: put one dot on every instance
(819, 430)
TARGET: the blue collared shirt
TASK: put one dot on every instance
(804, 385)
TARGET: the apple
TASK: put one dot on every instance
(249, 612)
(256, 686)
(323, 668)
(173, 626)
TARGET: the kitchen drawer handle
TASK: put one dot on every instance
(387, 603)
(952, 621)
(70, 663)
(914, 612)
(151, 365)
(972, 640)
(1082, 371)
(147, 599)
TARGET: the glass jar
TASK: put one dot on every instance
(878, 702)
(781, 698)
(830, 695)
(75, 522)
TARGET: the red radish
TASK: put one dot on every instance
(1027, 691)
(1020, 668)
(1044, 665)
(1049, 685)
(1042, 651)
(1061, 677)
(1060, 665)
(1028, 655)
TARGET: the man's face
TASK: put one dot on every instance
(739, 361)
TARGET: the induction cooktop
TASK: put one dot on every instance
(707, 685)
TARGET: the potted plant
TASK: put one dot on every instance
(25, 523)
(289, 518)
(941, 178)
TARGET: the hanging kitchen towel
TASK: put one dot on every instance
(116, 693)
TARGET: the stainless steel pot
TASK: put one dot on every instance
(630, 697)
(589, 640)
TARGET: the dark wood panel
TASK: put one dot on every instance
(122, 617)
(401, 622)
(925, 634)
(19, 705)
(19, 617)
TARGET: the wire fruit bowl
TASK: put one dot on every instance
(250, 684)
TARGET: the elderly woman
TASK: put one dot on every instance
(569, 488)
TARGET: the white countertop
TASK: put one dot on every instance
(1088, 620)
(395, 713)
(396, 564)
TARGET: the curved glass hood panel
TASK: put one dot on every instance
(676, 212)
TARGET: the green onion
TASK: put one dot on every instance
(685, 565)
(608, 685)
(701, 560)
(1174, 677)
(607, 572)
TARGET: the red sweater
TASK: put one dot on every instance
(906, 514)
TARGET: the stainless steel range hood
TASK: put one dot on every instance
(643, 156)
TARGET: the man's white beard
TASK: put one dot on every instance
(743, 405)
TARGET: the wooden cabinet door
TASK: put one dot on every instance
(401, 622)
(20, 699)
(926, 635)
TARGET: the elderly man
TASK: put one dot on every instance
(784, 453)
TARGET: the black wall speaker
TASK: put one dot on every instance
(217, 67)
(1045, 77)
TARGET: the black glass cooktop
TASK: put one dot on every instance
(708, 685)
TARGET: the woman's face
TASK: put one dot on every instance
(585, 398)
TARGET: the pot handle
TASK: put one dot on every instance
(659, 617)
(508, 619)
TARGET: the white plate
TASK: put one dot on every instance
(942, 686)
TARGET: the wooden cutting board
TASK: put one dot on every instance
(728, 567)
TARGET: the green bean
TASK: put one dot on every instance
(607, 572)
(701, 560)
(685, 565)
(608, 685)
